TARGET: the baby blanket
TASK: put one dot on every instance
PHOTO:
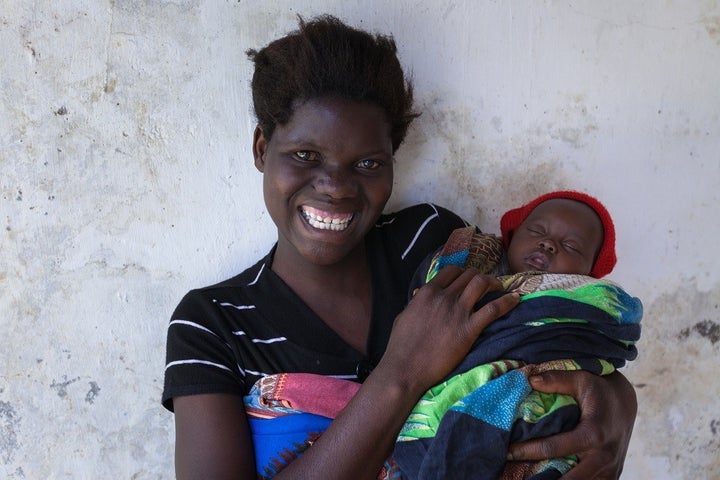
(462, 427)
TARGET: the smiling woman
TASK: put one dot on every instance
(316, 165)
(329, 298)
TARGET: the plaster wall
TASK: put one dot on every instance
(126, 179)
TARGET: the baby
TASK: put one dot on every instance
(558, 232)
(552, 251)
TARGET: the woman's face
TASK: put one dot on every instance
(327, 175)
(559, 236)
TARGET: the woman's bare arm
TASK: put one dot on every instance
(212, 438)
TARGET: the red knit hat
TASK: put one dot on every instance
(606, 259)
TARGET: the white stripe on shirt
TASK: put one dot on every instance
(257, 374)
(195, 360)
(240, 333)
(417, 234)
(238, 307)
(199, 327)
(385, 223)
(193, 324)
(258, 275)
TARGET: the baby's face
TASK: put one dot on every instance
(559, 236)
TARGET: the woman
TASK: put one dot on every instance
(333, 106)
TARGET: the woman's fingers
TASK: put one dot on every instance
(608, 406)
(441, 323)
(593, 468)
(596, 466)
(559, 445)
(447, 276)
(467, 285)
(569, 443)
(493, 310)
(475, 287)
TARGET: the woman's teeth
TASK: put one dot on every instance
(326, 223)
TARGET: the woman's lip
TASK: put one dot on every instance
(323, 220)
(328, 217)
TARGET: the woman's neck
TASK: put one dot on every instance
(340, 293)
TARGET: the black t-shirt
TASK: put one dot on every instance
(222, 338)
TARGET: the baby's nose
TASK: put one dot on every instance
(548, 245)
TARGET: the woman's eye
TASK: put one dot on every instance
(304, 155)
(368, 164)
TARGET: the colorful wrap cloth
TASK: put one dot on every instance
(287, 412)
(462, 427)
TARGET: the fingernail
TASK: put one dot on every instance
(536, 379)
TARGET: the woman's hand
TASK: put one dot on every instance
(439, 326)
(608, 407)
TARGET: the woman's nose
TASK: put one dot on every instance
(335, 182)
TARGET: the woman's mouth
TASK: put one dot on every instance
(326, 220)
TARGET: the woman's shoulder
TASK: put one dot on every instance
(415, 231)
(423, 214)
(250, 278)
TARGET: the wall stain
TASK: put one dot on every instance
(712, 25)
(61, 387)
(680, 381)
(9, 421)
(110, 85)
(18, 473)
(92, 393)
(31, 49)
(574, 124)
(705, 328)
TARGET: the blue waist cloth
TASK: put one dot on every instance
(279, 441)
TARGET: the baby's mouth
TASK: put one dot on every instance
(326, 220)
(538, 260)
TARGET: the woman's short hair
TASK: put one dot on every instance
(323, 58)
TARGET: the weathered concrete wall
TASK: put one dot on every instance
(126, 179)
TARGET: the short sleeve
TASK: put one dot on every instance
(199, 358)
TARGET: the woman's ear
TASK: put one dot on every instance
(259, 147)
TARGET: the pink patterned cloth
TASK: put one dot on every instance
(307, 392)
